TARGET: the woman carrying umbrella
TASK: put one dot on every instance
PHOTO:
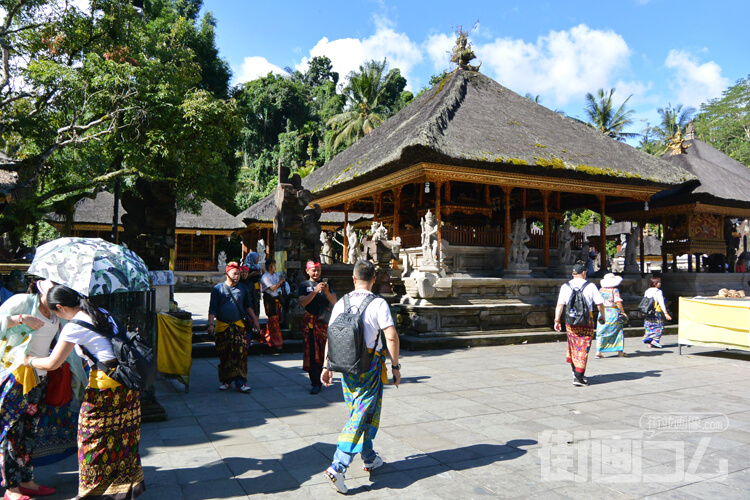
(27, 327)
(110, 413)
(610, 335)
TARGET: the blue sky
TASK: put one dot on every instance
(661, 51)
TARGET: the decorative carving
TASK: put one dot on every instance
(429, 240)
(631, 251)
(326, 252)
(353, 244)
(677, 145)
(221, 261)
(462, 53)
(564, 240)
(378, 232)
(519, 252)
(260, 248)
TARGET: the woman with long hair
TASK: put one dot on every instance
(654, 323)
(33, 431)
(109, 427)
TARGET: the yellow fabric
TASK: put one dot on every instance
(174, 345)
(221, 326)
(25, 376)
(715, 323)
(99, 380)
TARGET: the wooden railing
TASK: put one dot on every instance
(195, 264)
(479, 236)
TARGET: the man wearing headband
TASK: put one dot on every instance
(229, 306)
(317, 297)
(579, 336)
(271, 284)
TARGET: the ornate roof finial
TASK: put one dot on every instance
(690, 134)
(677, 144)
(462, 53)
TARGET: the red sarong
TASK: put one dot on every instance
(318, 349)
(272, 332)
(579, 343)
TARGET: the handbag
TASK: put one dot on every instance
(249, 330)
(59, 388)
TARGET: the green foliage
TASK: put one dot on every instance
(602, 115)
(724, 122)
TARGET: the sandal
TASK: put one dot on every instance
(599, 355)
(623, 354)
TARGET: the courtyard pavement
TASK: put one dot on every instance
(490, 422)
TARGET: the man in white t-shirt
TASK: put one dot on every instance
(579, 336)
(363, 393)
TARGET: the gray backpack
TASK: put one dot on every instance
(347, 349)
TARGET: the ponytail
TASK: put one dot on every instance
(64, 296)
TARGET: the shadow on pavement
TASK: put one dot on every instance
(617, 377)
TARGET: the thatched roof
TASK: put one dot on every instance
(265, 210)
(100, 210)
(470, 120)
(721, 177)
(593, 229)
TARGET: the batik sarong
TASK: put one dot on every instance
(109, 431)
(654, 326)
(610, 335)
(231, 345)
(272, 332)
(579, 343)
(363, 395)
(19, 417)
(314, 338)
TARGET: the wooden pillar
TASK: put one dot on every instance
(421, 188)
(674, 262)
(523, 198)
(506, 192)
(545, 228)
(396, 211)
(664, 262)
(438, 219)
(690, 262)
(487, 200)
(697, 263)
(346, 239)
(213, 248)
(643, 247)
(557, 199)
(448, 191)
(602, 234)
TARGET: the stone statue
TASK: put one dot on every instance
(222, 264)
(564, 240)
(353, 243)
(631, 248)
(260, 248)
(676, 145)
(429, 239)
(326, 252)
(378, 231)
(519, 252)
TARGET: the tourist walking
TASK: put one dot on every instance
(363, 394)
(229, 306)
(610, 336)
(271, 284)
(33, 427)
(579, 335)
(654, 322)
(317, 297)
(109, 426)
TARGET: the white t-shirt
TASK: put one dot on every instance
(267, 281)
(377, 316)
(97, 345)
(42, 338)
(590, 293)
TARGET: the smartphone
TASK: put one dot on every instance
(325, 280)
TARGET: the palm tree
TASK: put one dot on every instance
(365, 109)
(673, 120)
(603, 117)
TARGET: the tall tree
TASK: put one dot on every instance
(603, 116)
(724, 122)
(673, 119)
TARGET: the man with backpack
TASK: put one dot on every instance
(357, 320)
(577, 298)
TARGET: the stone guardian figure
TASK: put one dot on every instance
(564, 240)
(326, 251)
(429, 239)
(260, 248)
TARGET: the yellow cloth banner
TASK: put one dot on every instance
(715, 323)
(175, 345)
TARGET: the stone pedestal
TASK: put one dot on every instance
(517, 271)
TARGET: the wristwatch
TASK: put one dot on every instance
(396, 367)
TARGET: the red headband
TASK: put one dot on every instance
(232, 265)
(311, 264)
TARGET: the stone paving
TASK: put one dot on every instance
(490, 422)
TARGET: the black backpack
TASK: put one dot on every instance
(347, 349)
(577, 311)
(136, 361)
(647, 306)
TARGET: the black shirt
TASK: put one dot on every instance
(320, 302)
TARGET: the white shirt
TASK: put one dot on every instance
(267, 281)
(590, 294)
(656, 294)
(42, 338)
(97, 345)
(377, 315)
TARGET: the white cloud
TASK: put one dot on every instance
(438, 48)
(256, 67)
(695, 83)
(561, 66)
(346, 54)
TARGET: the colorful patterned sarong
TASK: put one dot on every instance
(610, 335)
(315, 353)
(109, 431)
(272, 332)
(654, 326)
(363, 395)
(231, 345)
(579, 343)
